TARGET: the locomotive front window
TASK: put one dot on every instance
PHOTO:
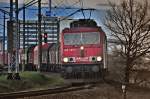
(90, 38)
(72, 39)
(81, 38)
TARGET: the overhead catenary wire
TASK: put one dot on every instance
(75, 3)
(90, 14)
(81, 4)
(75, 13)
(4, 11)
(28, 4)
(65, 6)
(58, 5)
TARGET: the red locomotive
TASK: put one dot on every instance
(83, 50)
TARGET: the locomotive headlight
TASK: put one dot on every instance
(82, 48)
(99, 58)
(66, 59)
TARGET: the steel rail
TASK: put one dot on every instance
(64, 89)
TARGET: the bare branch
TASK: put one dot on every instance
(127, 23)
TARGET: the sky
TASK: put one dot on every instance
(58, 9)
(76, 3)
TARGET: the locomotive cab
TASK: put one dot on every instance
(83, 50)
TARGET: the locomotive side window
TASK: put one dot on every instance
(81, 38)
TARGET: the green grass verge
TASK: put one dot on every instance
(29, 80)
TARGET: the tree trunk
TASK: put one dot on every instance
(127, 71)
(127, 74)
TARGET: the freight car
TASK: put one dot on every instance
(3, 58)
(50, 58)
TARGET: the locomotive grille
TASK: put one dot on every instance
(93, 71)
(84, 68)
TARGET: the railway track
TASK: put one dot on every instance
(63, 89)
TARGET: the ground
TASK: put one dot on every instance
(102, 91)
(29, 81)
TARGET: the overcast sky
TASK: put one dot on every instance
(76, 3)
(100, 5)
(31, 13)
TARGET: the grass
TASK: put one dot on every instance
(29, 80)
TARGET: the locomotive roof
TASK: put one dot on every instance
(82, 29)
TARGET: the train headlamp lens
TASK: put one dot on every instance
(66, 60)
(82, 48)
(99, 58)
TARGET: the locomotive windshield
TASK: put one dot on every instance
(81, 38)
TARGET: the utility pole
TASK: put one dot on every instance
(4, 39)
(17, 43)
(10, 41)
(50, 7)
(23, 38)
(39, 36)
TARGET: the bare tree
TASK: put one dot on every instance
(127, 23)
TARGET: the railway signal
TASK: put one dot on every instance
(45, 37)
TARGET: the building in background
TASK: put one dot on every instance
(49, 25)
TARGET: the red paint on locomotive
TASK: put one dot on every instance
(91, 49)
